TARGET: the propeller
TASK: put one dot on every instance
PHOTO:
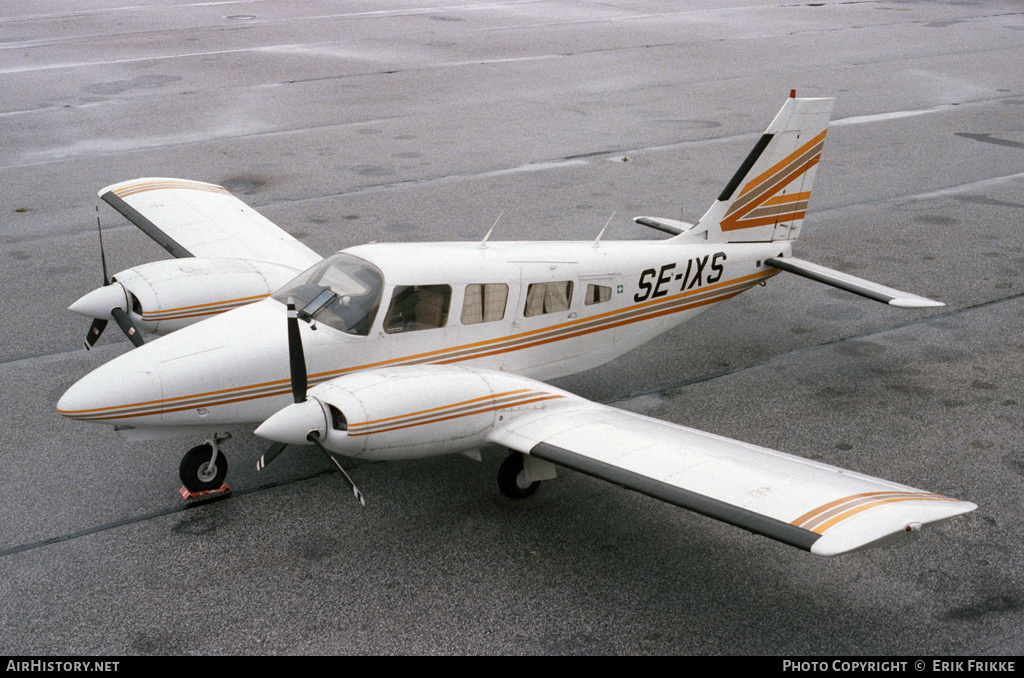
(98, 324)
(103, 256)
(314, 437)
(106, 302)
(296, 357)
(270, 455)
(304, 415)
(95, 330)
(127, 326)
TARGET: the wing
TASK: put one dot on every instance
(816, 507)
(191, 218)
(408, 411)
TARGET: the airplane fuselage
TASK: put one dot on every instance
(541, 310)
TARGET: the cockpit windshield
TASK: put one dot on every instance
(342, 291)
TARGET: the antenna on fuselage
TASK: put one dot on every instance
(598, 239)
(483, 243)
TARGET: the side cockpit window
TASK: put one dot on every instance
(418, 307)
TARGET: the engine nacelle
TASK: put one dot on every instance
(419, 411)
(165, 296)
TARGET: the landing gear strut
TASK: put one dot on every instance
(203, 468)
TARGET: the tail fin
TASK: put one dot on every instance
(767, 197)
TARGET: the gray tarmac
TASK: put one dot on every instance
(349, 122)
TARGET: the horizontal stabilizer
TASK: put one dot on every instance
(670, 226)
(851, 283)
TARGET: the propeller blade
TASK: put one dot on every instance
(95, 330)
(103, 256)
(296, 358)
(127, 326)
(98, 324)
(315, 439)
(270, 455)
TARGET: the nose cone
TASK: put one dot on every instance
(98, 303)
(230, 369)
(294, 423)
(119, 392)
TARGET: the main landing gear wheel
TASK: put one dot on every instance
(196, 471)
(511, 479)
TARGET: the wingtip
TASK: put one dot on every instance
(887, 525)
(915, 303)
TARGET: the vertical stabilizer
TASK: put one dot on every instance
(767, 197)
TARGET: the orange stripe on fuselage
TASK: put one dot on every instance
(520, 342)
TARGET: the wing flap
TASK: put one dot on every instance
(814, 506)
(192, 218)
(680, 496)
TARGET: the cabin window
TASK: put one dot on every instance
(484, 303)
(597, 294)
(550, 297)
(418, 307)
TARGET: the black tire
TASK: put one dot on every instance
(196, 474)
(508, 478)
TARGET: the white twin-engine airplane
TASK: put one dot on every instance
(398, 351)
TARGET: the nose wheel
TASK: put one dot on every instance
(203, 469)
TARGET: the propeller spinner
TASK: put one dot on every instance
(104, 303)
